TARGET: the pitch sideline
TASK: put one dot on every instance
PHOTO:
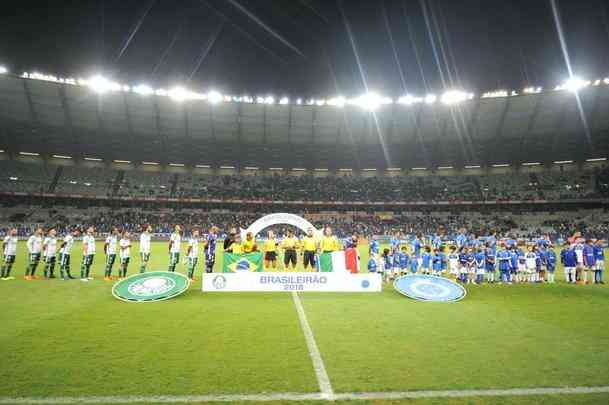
(318, 363)
(287, 396)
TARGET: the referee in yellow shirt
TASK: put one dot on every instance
(328, 243)
(270, 251)
(309, 249)
(289, 245)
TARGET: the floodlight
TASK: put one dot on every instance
(143, 89)
(284, 101)
(3, 70)
(269, 100)
(214, 97)
(179, 94)
(408, 99)
(100, 84)
(472, 166)
(370, 101)
(430, 99)
(337, 101)
(455, 96)
(574, 84)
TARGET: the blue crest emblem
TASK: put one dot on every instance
(429, 288)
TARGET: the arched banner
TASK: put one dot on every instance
(279, 219)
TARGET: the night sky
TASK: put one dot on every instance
(303, 47)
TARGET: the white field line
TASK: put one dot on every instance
(287, 396)
(318, 363)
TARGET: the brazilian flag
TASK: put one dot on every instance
(234, 263)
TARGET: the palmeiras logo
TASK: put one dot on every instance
(429, 288)
(153, 286)
(219, 282)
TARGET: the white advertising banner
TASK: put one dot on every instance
(270, 281)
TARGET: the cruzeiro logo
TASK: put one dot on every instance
(152, 286)
(219, 282)
(429, 288)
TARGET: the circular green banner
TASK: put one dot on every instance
(152, 286)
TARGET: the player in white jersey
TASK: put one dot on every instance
(34, 248)
(9, 252)
(530, 260)
(110, 248)
(579, 253)
(125, 253)
(88, 253)
(49, 249)
(192, 253)
(64, 254)
(145, 247)
(175, 241)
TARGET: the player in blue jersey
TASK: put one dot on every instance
(589, 259)
(504, 258)
(395, 242)
(387, 264)
(209, 247)
(568, 258)
(471, 266)
(443, 260)
(436, 262)
(513, 263)
(372, 265)
(490, 261)
(417, 245)
(403, 260)
(600, 262)
(539, 260)
(375, 248)
(461, 238)
(550, 260)
(426, 260)
(480, 258)
(414, 264)
(521, 270)
(463, 265)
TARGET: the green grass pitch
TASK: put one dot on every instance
(74, 339)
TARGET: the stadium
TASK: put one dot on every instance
(292, 217)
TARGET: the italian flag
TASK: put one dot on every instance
(342, 260)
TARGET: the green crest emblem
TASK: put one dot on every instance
(152, 286)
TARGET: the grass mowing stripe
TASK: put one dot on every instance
(287, 396)
(318, 363)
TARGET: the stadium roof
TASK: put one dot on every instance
(58, 118)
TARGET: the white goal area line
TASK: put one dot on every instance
(287, 396)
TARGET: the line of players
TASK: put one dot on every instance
(516, 262)
(52, 252)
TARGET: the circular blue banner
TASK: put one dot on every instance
(429, 288)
